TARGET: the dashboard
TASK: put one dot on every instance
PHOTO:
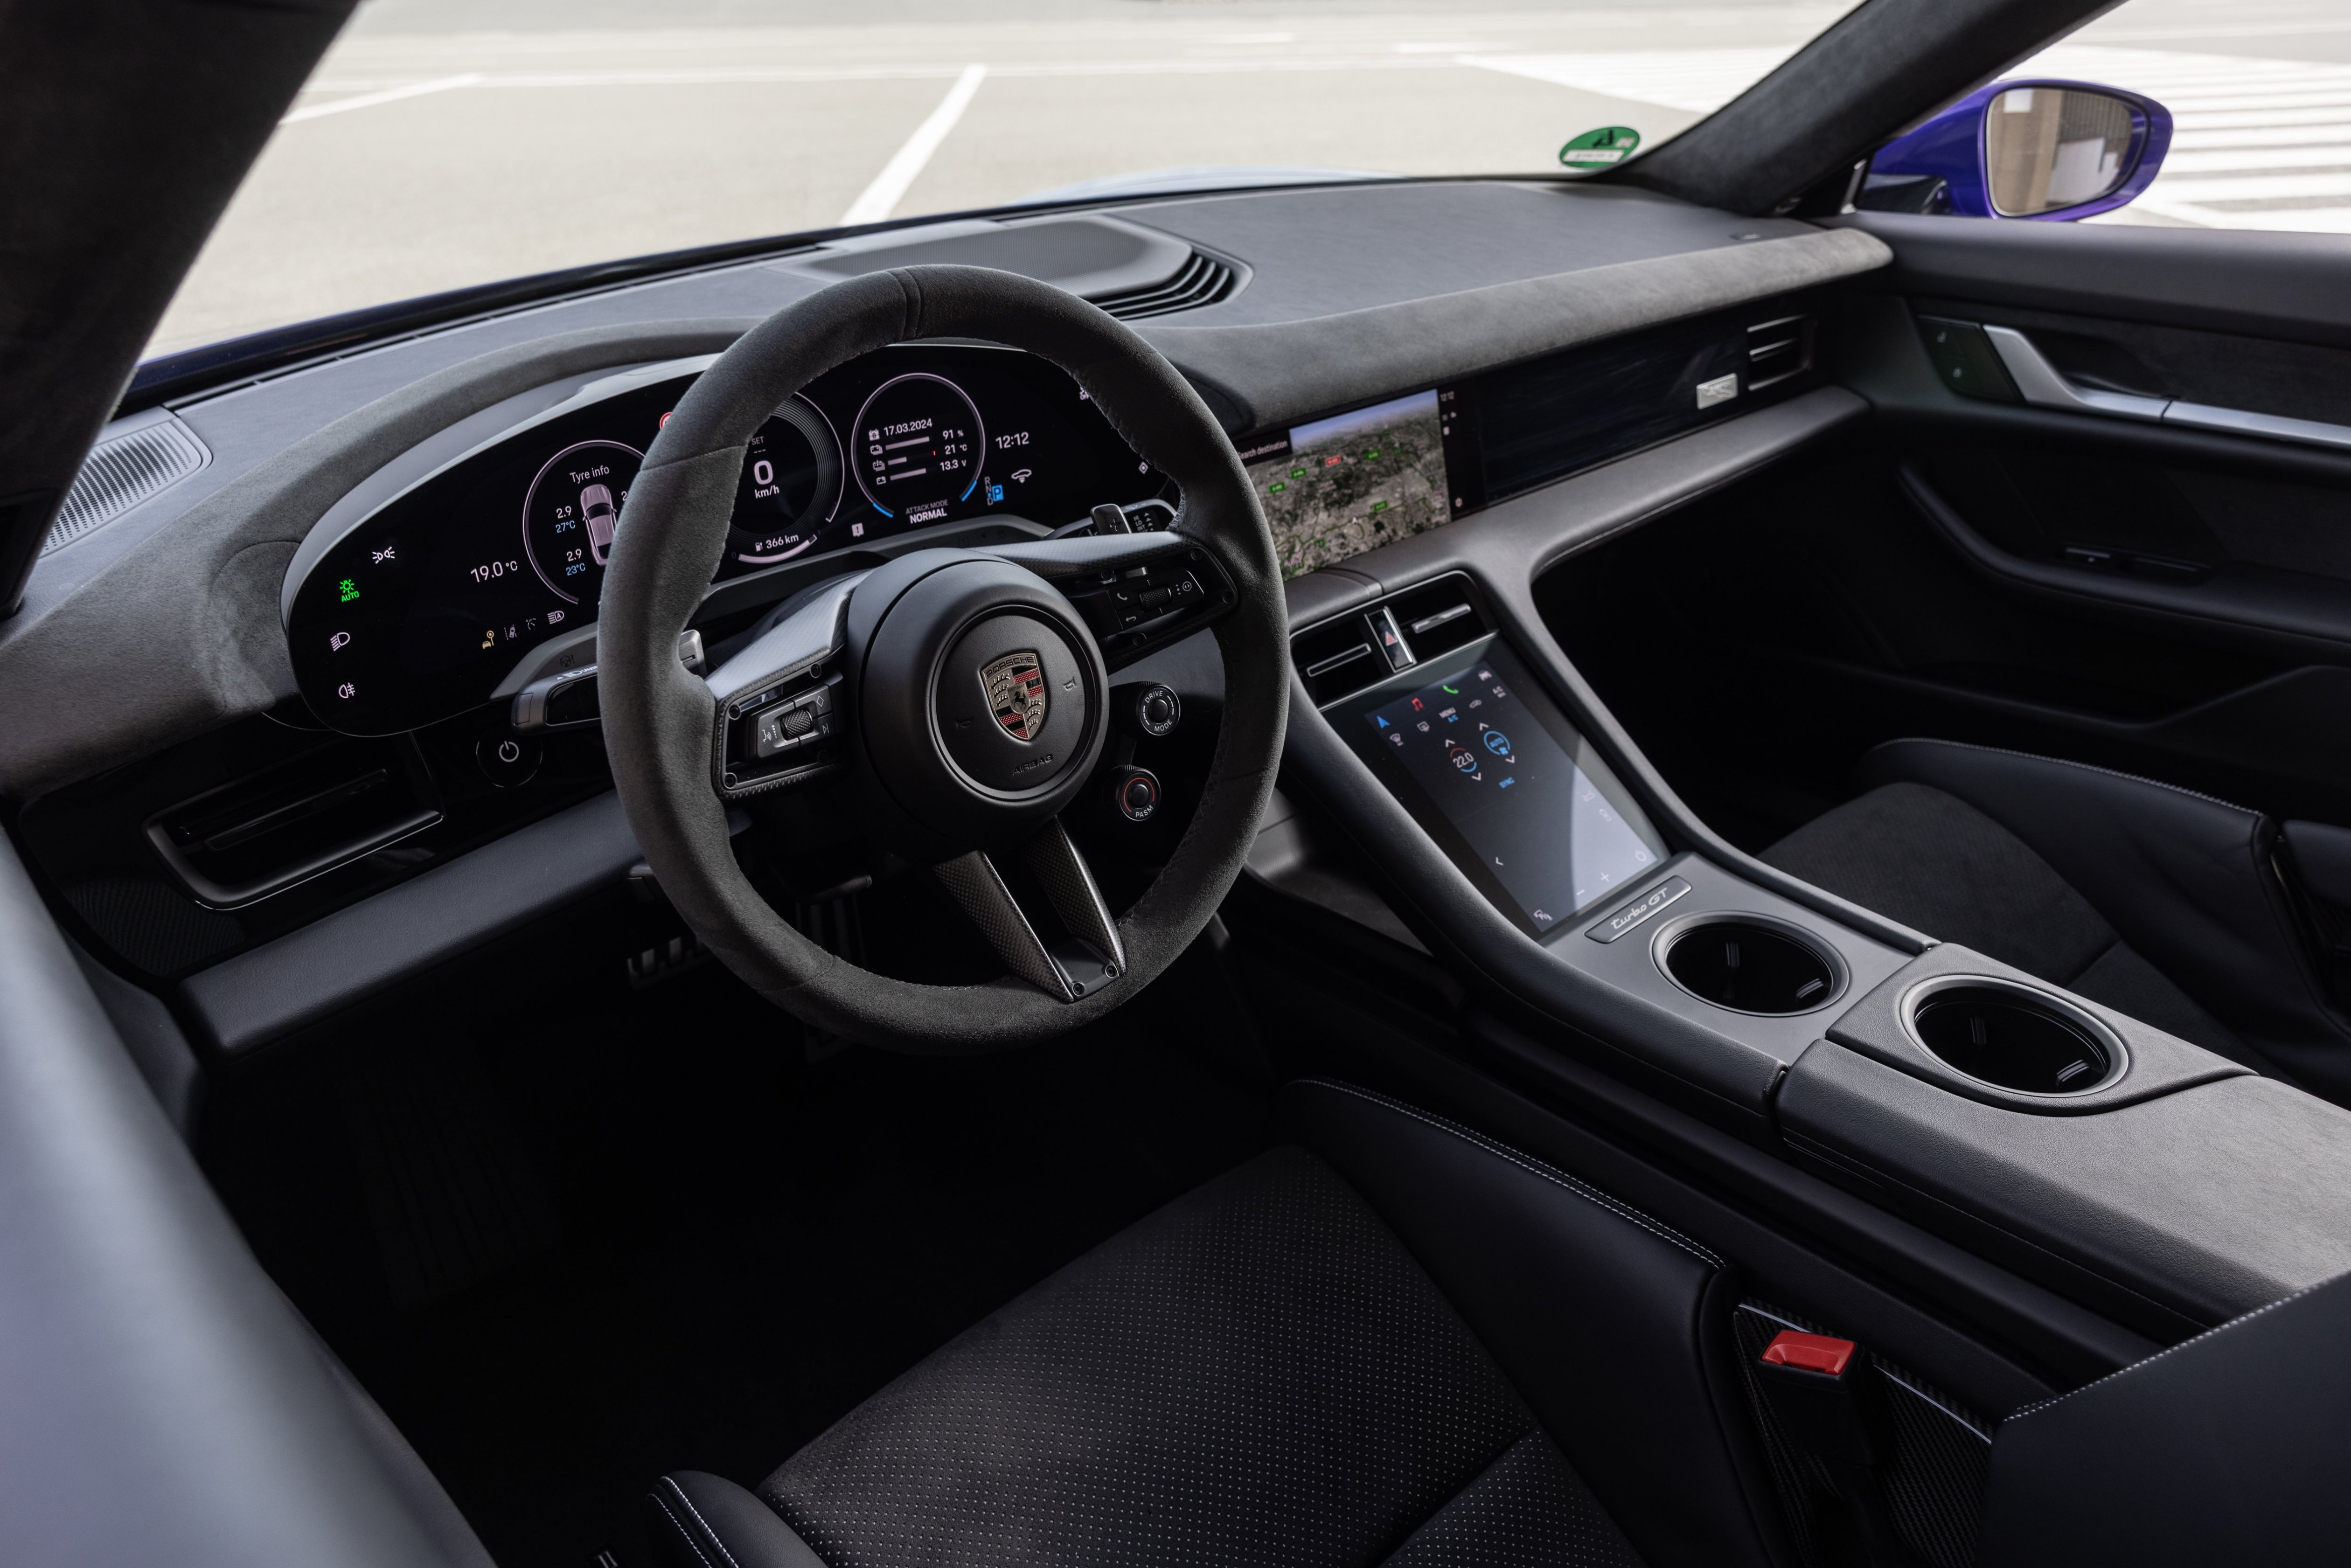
(425, 606)
(320, 620)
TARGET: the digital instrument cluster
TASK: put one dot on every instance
(420, 609)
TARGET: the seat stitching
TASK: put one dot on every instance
(1588, 1193)
(715, 1539)
(2175, 1350)
(2069, 762)
(684, 1534)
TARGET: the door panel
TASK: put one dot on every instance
(2129, 592)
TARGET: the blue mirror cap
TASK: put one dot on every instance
(1951, 147)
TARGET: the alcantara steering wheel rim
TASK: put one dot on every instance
(659, 718)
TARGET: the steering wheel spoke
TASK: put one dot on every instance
(776, 722)
(1077, 965)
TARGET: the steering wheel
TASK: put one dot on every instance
(960, 696)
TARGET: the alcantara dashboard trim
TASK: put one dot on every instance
(161, 625)
(88, 685)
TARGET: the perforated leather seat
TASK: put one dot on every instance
(1387, 1340)
(1391, 1341)
(2159, 902)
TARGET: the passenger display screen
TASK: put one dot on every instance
(1536, 817)
(1343, 486)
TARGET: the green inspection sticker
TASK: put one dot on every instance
(1597, 148)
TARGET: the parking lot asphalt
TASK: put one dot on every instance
(441, 144)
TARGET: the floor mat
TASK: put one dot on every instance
(750, 1246)
(451, 1192)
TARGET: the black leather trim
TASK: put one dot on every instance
(1601, 1316)
(355, 953)
(2184, 879)
(701, 1520)
(1941, 1309)
(2322, 854)
(2228, 1448)
(164, 1403)
(428, 1501)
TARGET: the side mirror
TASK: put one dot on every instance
(2048, 150)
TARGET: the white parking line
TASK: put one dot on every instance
(878, 200)
(2260, 159)
(370, 99)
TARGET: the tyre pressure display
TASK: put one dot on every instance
(918, 446)
(572, 512)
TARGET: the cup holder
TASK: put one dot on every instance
(2012, 1036)
(1751, 966)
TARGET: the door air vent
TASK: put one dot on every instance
(119, 474)
(1202, 281)
(240, 843)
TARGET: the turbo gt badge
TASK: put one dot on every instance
(1015, 685)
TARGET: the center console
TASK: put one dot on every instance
(1525, 842)
(1528, 813)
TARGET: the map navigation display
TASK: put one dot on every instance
(1340, 486)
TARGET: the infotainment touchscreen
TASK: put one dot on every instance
(1340, 486)
(1527, 799)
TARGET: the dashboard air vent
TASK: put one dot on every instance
(1778, 349)
(1203, 280)
(246, 840)
(119, 474)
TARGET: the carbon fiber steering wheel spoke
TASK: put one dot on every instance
(1078, 963)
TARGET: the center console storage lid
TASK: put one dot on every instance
(2169, 1214)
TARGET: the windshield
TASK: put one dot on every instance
(444, 143)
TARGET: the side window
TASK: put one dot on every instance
(2182, 114)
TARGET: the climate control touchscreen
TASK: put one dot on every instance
(1536, 819)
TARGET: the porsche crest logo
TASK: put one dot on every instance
(1015, 684)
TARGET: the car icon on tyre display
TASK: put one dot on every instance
(597, 510)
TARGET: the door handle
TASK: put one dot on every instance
(2044, 385)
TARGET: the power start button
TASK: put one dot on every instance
(1136, 794)
(510, 762)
